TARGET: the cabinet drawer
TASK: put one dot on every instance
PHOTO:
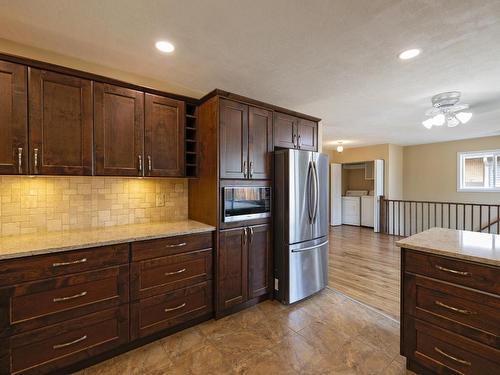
(472, 275)
(157, 313)
(442, 351)
(45, 266)
(460, 310)
(170, 245)
(36, 304)
(56, 346)
(159, 275)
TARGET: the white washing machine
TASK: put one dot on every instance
(367, 210)
(351, 207)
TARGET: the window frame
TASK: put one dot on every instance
(461, 156)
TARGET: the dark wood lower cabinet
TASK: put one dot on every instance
(61, 312)
(56, 346)
(244, 265)
(232, 288)
(449, 315)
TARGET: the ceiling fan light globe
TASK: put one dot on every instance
(340, 148)
(439, 120)
(464, 117)
(452, 121)
(428, 123)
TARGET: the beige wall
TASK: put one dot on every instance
(45, 204)
(431, 171)
(392, 156)
(12, 48)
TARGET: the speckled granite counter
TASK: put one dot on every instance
(34, 244)
(473, 246)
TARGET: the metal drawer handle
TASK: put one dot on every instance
(310, 247)
(175, 272)
(20, 160)
(60, 299)
(177, 245)
(463, 362)
(83, 260)
(59, 346)
(175, 308)
(461, 311)
(461, 273)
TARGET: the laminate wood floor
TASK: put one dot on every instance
(365, 266)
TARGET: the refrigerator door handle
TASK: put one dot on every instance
(316, 192)
(309, 192)
(310, 247)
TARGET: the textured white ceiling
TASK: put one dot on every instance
(333, 59)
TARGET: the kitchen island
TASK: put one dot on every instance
(450, 302)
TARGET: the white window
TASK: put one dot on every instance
(479, 171)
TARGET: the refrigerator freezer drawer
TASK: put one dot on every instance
(308, 271)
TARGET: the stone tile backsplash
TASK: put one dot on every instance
(46, 204)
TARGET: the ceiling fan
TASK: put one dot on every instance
(447, 109)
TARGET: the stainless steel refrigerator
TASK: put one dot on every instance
(300, 224)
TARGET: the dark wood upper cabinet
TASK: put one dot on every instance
(233, 139)
(119, 130)
(294, 132)
(60, 124)
(259, 260)
(307, 135)
(260, 142)
(13, 119)
(285, 130)
(232, 268)
(164, 136)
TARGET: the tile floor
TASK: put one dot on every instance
(326, 334)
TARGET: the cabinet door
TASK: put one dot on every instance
(164, 136)
(307, 135)
(13, 119)
(119, 130)
(260, 142)
(233, 139)
(232, 268)
(259, 260)
(285, 130)
(60, 123)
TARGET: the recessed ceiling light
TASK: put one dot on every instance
(409, 54)
(165, 46)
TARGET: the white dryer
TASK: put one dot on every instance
(351, 207)
(367, 210)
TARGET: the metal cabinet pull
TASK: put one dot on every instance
(251, 169)
(251, 234)
(59, 346)
(293, 140)
(61, 299)
(35, 160)
(461, 311)
(244, 236)
(462, 361)
(245, 169)
(177, 245)
(175, 272)
(83, 260)
(20, 160)
(298, 141)
(150, 163)
(461, 273)
(175, 308)
(140, 162)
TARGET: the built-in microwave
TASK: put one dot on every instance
(246, 203)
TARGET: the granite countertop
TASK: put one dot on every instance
(473, 246)
(34, 244)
